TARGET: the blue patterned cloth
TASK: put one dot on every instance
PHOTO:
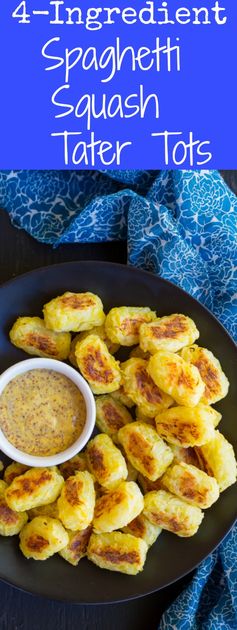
(210, 600)
(181, 225)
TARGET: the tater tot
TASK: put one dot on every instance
(30, 334)
(164, 509)
(217, 458)
(141, 388)
(147, 485)
(11, 522)
(44, 510)
(77, 546)
(142, 528)
(145, 449)
(14, 470)
(185, 426)
(132, 472)
(78, 463)
(117, 552)
(123, 398)
(38, 486)
(43, 537)
(111, 415)
(106, 462)
(3, 486)
(191, 484)
(138, 353)
(122, 323)
(212, 413)
(117, 508)
(96, 330)
(177, 378)
(97, 365)
(74, 312)
(143, 418)
(186, 455)
(72, 356)
(216, 382)
(77, 501)
(171, 333)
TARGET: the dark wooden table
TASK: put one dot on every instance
(20, 253)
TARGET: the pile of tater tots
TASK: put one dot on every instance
(158, 460)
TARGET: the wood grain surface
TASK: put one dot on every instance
(20, 253)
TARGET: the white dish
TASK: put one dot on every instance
(58, 366)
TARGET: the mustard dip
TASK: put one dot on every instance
(42, 412)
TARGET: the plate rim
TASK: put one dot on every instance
(124, 600)
(135, 270)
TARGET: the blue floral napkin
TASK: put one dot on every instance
(181, 225)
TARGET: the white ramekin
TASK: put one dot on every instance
(75, 377)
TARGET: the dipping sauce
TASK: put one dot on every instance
(42, 412)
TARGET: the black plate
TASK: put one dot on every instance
(171, 557)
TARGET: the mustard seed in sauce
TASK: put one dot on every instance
(42, 412)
